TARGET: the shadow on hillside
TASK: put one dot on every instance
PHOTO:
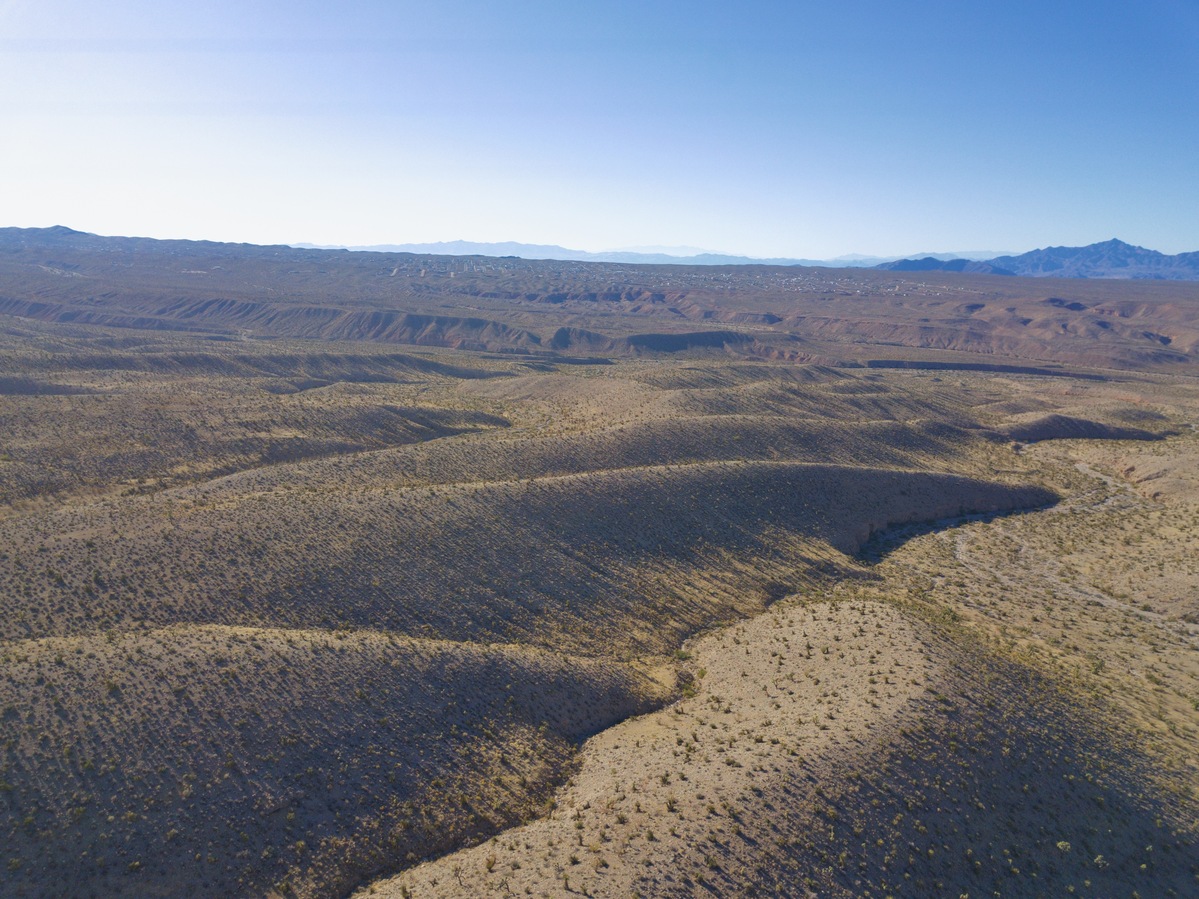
(884, 542)
(1001, 786)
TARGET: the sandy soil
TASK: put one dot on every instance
(675, 799)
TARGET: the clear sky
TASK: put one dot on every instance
(792, 128)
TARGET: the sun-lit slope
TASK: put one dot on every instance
(1053, 757)
(301, 612)
(577, 420)
(180, 433)
(840, 749)
(644, 443)
(83, 415)
(1167, 472)
(673, 802)
(220, 761)
(632, 560)
(1102, 591)
(220, 612)
(104, 414)
(1002, 781)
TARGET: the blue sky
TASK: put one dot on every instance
(797, 129)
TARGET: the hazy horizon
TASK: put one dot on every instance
(656, 249)
(800, 131)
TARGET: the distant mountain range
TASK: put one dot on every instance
(932, 264)
(1109, 259)
(633, 256)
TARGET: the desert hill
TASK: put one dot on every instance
(610, 532)
(729, 790)
(550, 308)
(210, 760)
(320, 569)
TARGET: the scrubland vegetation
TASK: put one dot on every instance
(299, 618)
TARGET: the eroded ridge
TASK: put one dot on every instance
(844, 749)
(687, 797)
